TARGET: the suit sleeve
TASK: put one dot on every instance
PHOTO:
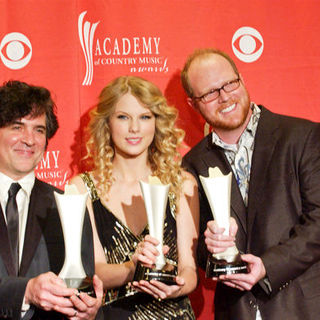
(87, 249)
(301, 250)
(12, 291)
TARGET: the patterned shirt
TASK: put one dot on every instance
(239, 155)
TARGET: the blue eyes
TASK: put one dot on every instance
(143, 117)
(146, 117)
(122, 117)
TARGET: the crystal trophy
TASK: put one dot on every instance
(155, 197)
(71, 206)
(217, 188)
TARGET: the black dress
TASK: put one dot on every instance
(119, 244)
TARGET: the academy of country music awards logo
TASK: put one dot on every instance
(140, 54)
(137, 54)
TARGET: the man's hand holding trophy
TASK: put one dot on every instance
(217, 188)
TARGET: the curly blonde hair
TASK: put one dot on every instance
(163, 156)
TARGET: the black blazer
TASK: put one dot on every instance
(43, 251)
(281, 223)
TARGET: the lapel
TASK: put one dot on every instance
(265, 141)
(214, 156)
(39, 202)
(5, 250)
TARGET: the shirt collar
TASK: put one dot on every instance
(253, 122)
(26, 183)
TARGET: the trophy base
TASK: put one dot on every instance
(166, 275)
(215, 267)
(83, 285)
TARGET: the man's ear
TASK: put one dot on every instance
(192, 103)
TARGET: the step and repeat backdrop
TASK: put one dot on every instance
(75, 47)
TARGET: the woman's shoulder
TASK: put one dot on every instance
(86, 183)
(81, 181)
(189, 182)
(187, 176)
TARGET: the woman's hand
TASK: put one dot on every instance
(146, 252)
(158, 289)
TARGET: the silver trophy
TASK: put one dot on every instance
(218, 191)
(71, 206)
(155, 197)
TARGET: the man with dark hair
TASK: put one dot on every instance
(275, 196)
(32, 244)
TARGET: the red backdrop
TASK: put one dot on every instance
(75, 47)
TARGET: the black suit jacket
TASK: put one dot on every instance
(281, 223)
(43, 251)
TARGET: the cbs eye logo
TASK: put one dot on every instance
(247, 44)
(15, 50)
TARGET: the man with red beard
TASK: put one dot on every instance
(275, 197)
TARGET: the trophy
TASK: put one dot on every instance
(155, 197)
(218, 190)
(71, 206)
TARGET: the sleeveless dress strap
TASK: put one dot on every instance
(173, 204)
(93, 194)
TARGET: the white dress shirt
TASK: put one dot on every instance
(23, 199)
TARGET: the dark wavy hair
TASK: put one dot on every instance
(19, 99)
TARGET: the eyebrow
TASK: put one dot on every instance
(40, 126)
(17, 122)
(146, 112)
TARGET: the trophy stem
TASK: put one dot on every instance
(71, 209)
(155, 199)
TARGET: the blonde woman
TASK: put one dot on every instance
(133, 136)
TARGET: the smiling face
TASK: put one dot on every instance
(230, 111)
(132, 127)
(22, 145)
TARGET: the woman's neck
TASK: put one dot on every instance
(134, 169)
